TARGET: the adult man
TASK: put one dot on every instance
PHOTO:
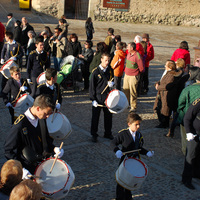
(134, 66)
(100, 78)
(28, 140)
(37, 63)
(10, 25)
(150, 56)
(57, 47)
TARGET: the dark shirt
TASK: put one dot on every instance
(37, 63)
(25, 35)
(17, 35)
(73, 48)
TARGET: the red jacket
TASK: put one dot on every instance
(2, 32)
(150, 54)
(181, 53)
(118, 62)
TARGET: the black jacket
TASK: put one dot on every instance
(25, 35)
(17, 35)
(73, 48)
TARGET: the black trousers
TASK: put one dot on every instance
(146, 79)
(3, 82)
(122, 193)
(11, 111)
(95, 120)
(190, 167)
(117, 81)
(85, 74)
(34, 86)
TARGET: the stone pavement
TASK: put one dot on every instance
(94, 165)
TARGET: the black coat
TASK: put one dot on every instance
(17, 35)
(73, 48)
(25, 35)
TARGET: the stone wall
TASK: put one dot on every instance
(168, 12)
(51, 7)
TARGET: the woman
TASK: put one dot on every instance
(73, 46)
(31, 42)
(161, 102)
(182, 52)
(17, 35)
(89, 28)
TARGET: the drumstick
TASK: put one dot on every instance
(18, 94)
(55, 158)
(100, 105)
(33, 176)
(54, 111)
(124, 153)
(106, 87)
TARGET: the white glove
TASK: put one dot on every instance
(150, 153)
(58, 152)
(23, 88)
(94, 103)
(2, 61)
(13, 58)
(26, 174)
(28, 81)
(111, 84)
(58, 106)
(190, 136)
(8, 105)
(119, 154)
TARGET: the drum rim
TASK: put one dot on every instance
(20, 98)
(50, 194)
(144, 165)
(40, 76)
(6, 64)
(107, 97)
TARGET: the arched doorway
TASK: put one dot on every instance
(76, 9)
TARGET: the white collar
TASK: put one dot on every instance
(38, 52)
(13, 42)
(103, 69)
(133, 134)
(50, 86)
(31, 118)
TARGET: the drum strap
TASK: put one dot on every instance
(43, 133)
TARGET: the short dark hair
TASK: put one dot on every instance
(10, 14)
(9, 35)
(132, 44)
(62, 21)
(59, 29)
(44, 101)
(133, 117)
(105, 54)
(120, 45)
(111, 30)
(18, 23)
(118, 38)
(38, 39)
(90, 43)
(50, 72)
(73, 35)
(184, 45)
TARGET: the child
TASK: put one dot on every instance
(51, 87)
(129, 139)
(12, 88)
(118, 64)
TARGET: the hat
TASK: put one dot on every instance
(10, 14)
(145, 35)
(193, 71)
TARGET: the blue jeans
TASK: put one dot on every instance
(57, 62)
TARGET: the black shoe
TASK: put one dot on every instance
(189, 185)
(109, 137)
(94, 139)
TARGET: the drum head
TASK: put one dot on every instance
(41, 78)
(25, 100)
(5, 69)
(54, 181)
(135, 167)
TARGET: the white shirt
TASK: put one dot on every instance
(50, 86)
(133, 134)
(31, 118)
(39, 52)
(103, 69)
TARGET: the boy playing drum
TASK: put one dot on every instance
(130, 139)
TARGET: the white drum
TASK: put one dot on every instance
(22, 104)
(5, 69)
(55, 185)
(131, 173)
(116, 101)
(60, 127)
(41, 78)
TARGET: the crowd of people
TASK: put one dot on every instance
(29, 142)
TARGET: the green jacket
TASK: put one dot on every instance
(188, 95)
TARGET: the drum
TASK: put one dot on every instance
(55, 185)
(41, 78)
(60, 127)
(116, 101)
(22, 104)
(131, 173)
(5, 69)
